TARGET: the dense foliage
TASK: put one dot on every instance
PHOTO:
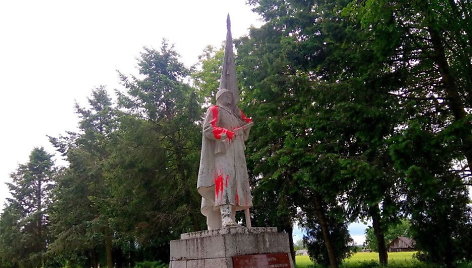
(361, 111)
(24, 224)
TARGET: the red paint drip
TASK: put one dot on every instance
(219, 185)
(217, 131)
(230, 134)
(245, 118)
(237, 197)
(214, 113)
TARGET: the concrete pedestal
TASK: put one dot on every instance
(234, 247)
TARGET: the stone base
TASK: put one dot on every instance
(246, 247)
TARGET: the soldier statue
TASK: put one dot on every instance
(223, 180)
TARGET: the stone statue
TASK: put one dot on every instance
(223, 180)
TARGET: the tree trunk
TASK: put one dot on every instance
(292, 248)
(119, 258)
(94, 258)
(287, 221)
(109, 247)
(288, 227)
(454, 101)
(320, 214)
(42, 245)
(379, 234)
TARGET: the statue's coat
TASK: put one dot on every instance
(222, 176)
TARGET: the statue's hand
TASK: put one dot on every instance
(238, 131)
(223, 136)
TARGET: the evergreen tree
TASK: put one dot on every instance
(11, 253)
(157, 152)
(25, 221)
(81, 211)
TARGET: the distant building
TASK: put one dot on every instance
(302, 252)
(401, 243)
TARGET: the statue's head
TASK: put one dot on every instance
(224, 97)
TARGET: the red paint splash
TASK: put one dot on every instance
(237, 197)
(217, 131)
(214, 112)
(219, 185)
(245, 118)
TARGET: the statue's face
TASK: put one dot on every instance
(226, 99)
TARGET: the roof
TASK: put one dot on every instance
(402, 242)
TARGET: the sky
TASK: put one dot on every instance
(53, 53)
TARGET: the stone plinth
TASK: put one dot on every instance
(246, 247)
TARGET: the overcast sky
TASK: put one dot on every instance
(54, 52)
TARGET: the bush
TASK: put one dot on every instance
(316, 246)
(150, 264)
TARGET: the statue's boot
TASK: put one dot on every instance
(227, 216)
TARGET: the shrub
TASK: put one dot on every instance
(150, 264)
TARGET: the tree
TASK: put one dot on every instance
(437, 200)
(81, 211)
(315, 245)
(25, 221)
(10, 233)
(401, 229)
(364, 71)
(162, 127)
(299, 245)
(424, 45)
(161, 93)
(322, 108)
(132, 170)
(207, 73)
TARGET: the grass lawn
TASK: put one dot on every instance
(393, 257)
(370, 259)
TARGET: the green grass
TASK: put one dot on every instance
(393, 257)
(303, 261)
(370, 259)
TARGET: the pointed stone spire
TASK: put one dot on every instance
(228, 75)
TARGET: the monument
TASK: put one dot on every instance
(223, 183)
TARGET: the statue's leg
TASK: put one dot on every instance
(214, 220)
(247, 215)
(227, 216)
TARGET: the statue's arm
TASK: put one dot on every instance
(247, 126)
(211, 128)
